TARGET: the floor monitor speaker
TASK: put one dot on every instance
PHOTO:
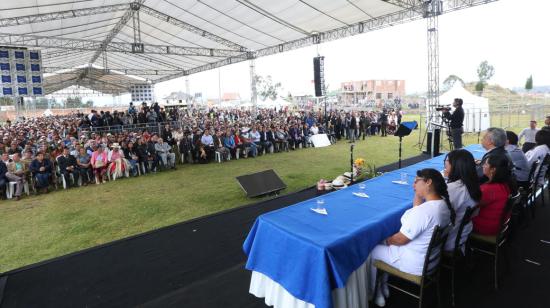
(261, 183)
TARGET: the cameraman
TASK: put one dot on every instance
(456, 118)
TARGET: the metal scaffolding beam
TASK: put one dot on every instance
(407, 4)
(183, 25)
(432, 10)
(37, 18)
(112, 71)
(118, 85)
(134, 6)
(380, 22)
(54, 55)
(90, 45)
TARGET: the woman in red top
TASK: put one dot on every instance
(494, 195)
(239, 141)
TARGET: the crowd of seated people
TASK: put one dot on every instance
(42, 153)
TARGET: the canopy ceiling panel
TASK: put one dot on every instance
(78, 26)
(180, 37)
(172, 34)
(33, 7)
(92, 78)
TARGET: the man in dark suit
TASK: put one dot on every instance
(266, 139)
(295, 136)
(383, 119)
(493, 141)
(67, 166)
(3, 178)
(456, 119)
(153, 152)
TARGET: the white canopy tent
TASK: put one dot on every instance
(269, 103)
(476, 108)
(159, 40)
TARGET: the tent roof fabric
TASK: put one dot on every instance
(182, 37)
(91, 78)
(469, 99)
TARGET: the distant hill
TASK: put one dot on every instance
(537, 89)
(500, 97)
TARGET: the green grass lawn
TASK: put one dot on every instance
(45, 226)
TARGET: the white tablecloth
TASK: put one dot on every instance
(354, 295)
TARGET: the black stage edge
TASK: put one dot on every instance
(200, 263)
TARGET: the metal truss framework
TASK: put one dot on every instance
(90, 45)
(64, 47)
(128, 71)
(185, 26)
(116, 88)
(116, 29)
(432, 11)
(416, 5)
(409, 14)
(32, 19)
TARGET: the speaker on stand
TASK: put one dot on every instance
(319, 75)
(435, 136)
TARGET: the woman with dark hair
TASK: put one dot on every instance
(406, 249)
(463, 188)
(542, 139)
(494, 195)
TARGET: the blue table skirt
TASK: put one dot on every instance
(310, 254)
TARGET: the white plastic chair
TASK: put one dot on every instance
(10, 189)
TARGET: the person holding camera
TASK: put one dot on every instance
(456, 121)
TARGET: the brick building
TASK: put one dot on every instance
(377, 91)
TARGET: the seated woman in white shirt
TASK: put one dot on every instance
(542, 138)
(406, 249)
(464, 191)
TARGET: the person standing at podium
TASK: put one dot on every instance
(457, 120)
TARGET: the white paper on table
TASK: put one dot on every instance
(320, 211)
(400, 182)
(361, 194)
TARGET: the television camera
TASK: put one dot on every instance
(443, 108)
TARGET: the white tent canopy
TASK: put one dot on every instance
(476, 108)
(170, 39)
(269, 103)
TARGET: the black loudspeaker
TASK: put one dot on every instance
(436, 142)
(319, 75)
(261, 183)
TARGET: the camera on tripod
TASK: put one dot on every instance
(443, 108)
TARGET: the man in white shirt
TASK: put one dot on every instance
(529, 134)
(207, 139)
(314, 129)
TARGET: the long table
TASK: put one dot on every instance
(310, 255)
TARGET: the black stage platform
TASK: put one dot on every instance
(200, 263)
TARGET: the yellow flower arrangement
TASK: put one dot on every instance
(359, 162)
